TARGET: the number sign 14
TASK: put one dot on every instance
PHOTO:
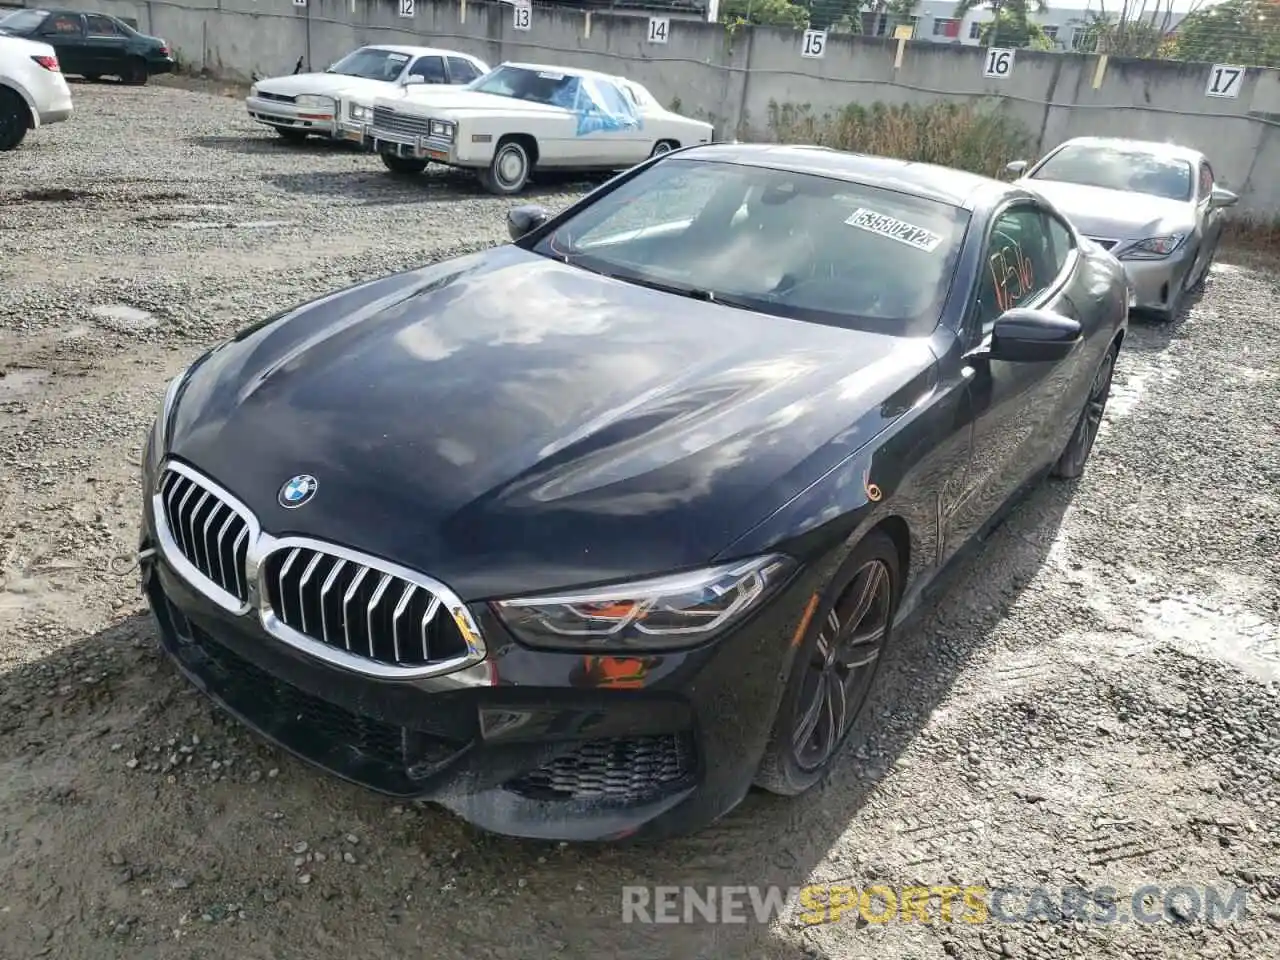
(999, 63)
(407, 8)
(658, 28)
(522, 16)
(814, 43)
(1224, 81)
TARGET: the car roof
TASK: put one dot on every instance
(1174, 151)
(957, 188)
(417, 51)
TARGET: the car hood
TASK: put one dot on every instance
(437, 98)
(1114, 214)
(505, 422)
(325, 84)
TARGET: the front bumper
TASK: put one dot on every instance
(1156, 284)
(416, 147)
(353, 131)
(276, 113)
(548, 749)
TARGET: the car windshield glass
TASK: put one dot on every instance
(371, 64)
(22, 21)
(790, 244)
(537, 86)
(1119, 168)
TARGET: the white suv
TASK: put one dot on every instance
(32, 89)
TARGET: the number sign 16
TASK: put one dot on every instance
(658, 27)
(814, 43)
(1224, 81)
(999, 63)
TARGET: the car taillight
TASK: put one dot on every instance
(49, 63)
(164, 49)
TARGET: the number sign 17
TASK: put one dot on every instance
(999, 63)
(1224, 81)
(814, 43)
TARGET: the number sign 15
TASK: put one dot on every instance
(522, 16)
(1224, 81)
(814, 43)
(658, 27)
(999, 63)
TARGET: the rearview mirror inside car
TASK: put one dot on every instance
(522, 219)
(1015, 169)
(1033, 336)
(1221, 197)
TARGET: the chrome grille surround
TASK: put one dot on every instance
(389, 121)
(433, 606)
(188, 509)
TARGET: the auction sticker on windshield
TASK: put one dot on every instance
(894, 229)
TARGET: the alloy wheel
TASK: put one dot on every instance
(838, 676)
(1096, 405)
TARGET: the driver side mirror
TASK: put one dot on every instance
(1033, 336)
(524, 218)
(1015, 169)
(1221, 197)
(412, 80)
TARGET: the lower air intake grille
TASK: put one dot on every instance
(355, 607)
(622, 770)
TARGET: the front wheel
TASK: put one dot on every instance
(1071, 464)
(509, 171)
(403, 166)
(15, 120)
(834, 670)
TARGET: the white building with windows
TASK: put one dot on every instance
(935, 20)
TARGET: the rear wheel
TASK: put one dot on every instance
(1071, 464)
(510, 169)
(663, 146)
(404, 166)
(135, 72)
(15, 119)
(834, 670)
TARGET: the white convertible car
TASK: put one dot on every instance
(523, 117)
(338, 102)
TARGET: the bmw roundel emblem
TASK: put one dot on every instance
(298, 491)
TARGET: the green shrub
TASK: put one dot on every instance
(970, 136)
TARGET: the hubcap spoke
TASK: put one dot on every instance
(809, 722)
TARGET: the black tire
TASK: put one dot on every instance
(135, 72)
(663, 146)
(1071, 464)
(842, 646)
(15, 119)
(292, 134)
(1197, 283)
(509, 172)
(93, 77)
(403, 166)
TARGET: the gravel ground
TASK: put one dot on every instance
(1094, 703)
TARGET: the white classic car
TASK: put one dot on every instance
(523, 117)
(337, 103)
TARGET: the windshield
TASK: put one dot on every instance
(371, 64)
(1119, 168)
(537, 86)
(22, 21)
(791, 244)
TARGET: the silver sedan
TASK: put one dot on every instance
(1155, 206)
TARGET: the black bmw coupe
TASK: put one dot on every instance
(584, 535)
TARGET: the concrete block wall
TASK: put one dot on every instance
(732, 77)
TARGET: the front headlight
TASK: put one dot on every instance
(358, 111)
(1154, 248)
(311, 101)
(253, 90)
(679, 610)
(442, 128)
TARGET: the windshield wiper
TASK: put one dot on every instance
(693, 293)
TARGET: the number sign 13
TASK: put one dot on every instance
(999, 63)
(1224, 81)
(814, 43)
(522, 16)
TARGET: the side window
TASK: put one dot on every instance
(1060, 245)
(63, 25)
(1017, 265)
(1206, 181)
(431, 68)
(462, 71)
(100, 26)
